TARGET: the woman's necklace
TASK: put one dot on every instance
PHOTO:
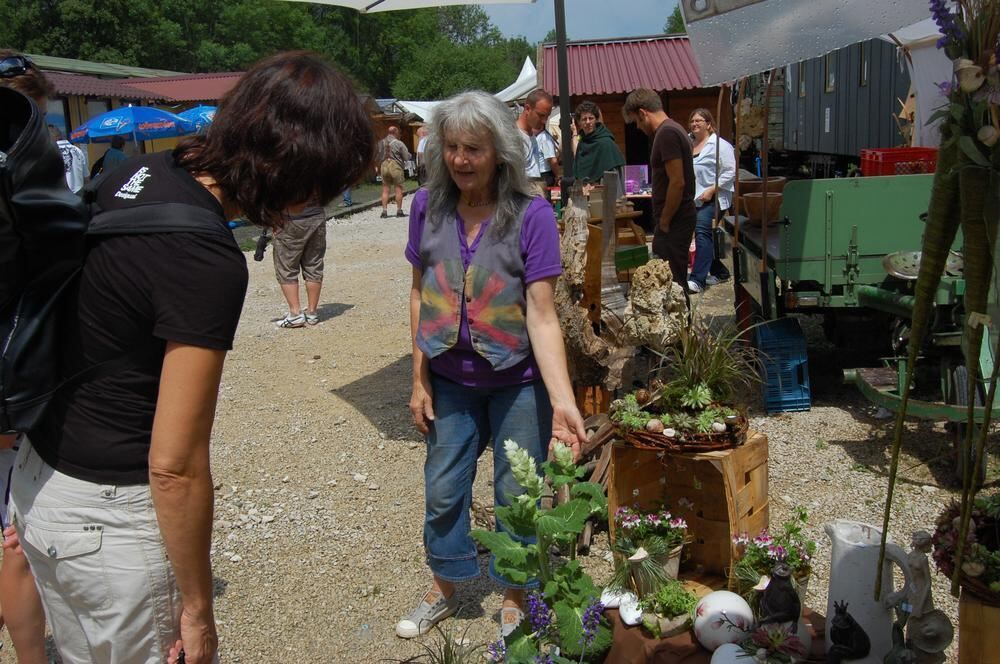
(479, 204)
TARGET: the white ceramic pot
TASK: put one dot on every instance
(722, 617)
(671, 562)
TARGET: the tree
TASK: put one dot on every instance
(550, 37)
(675, 22)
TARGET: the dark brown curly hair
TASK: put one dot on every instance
(292, 130)
(32, 83)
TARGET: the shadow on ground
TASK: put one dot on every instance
(332, 310)
(382, 397)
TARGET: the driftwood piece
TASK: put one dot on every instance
(600, 474)
(598, 439)
(656, 311)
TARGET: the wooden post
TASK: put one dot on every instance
(978, 625)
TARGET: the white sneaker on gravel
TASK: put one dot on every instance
(432, 609)
(292, 320)
(694, 287)
(712, 280)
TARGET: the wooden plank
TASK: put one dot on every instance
(977, 621)
(591, 300)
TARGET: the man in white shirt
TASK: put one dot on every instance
(74, 161)
(548, 153)
(537, 107)
(421, 146)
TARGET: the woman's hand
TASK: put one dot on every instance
(567, 427)
(198, 641)
(11, 541)
(421, 404)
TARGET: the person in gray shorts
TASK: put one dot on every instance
(300, 247)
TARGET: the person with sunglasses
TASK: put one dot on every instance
(20, 607)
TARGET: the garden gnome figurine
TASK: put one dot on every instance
(780, 603)
(928, 630)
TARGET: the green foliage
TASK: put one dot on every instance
(566, 587)
(670, 601)
(427, 53)
(627, 413)
(788, 544)
(697, 396)
(675, 22)
(448, 648)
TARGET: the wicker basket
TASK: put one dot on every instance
(692, 442)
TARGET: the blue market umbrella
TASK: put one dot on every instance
(201, 116)
(142, 123)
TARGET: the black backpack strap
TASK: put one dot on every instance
(158, 218)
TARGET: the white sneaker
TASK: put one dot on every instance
(713, 280)
(694, 287)
(432, 609)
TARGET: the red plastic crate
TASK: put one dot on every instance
(898, 161)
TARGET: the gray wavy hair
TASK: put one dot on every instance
(477, 112)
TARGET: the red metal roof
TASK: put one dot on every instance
(91, 86)
(189, 87)
(618, 66)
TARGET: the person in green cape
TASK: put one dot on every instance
(597, 151)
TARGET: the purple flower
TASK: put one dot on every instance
(945, 88)
(539, 614)
(543, 659)
(497, 651)
(591, 621)
(947, 24)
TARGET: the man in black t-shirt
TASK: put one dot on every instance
(672, 169)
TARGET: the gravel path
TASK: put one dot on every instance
(317, 542)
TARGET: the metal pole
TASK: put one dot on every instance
(562, 65)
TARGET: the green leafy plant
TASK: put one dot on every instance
(696, 397)
(579, 631)
(448, 649)
(758, 556)
(628, 414)
(670, 601)
(981, 562)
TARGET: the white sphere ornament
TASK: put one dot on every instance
(722, 617)
(730, 653)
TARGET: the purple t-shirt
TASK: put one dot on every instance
(540, 251)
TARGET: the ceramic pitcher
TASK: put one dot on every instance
(852, 580)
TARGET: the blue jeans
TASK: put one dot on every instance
(705, 262)
(465, 421)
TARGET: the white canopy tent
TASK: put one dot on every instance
(526, 81)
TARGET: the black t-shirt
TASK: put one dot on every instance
(136, 293)
(671, 142)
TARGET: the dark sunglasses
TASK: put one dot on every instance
(15, 65)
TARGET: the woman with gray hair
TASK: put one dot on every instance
(488, 356)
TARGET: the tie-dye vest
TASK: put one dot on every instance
(493, 289)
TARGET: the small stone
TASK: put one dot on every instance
(787, 499)
(927, 488)
(267, 518)
(373, 487)
(332, 483)
(339, 421)
(669, 433)
(412, 445)
(317, 357)
(358, 477)
(381, 434)
(235, 558)
(285, 479)
(312, 495)
(381, 446)
(718, 427)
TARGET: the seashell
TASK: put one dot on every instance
(669, 433)
(970, 75)
(718, 427)
(642, 396)
(654, 426)
(988, 135)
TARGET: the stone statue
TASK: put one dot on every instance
(928, 630)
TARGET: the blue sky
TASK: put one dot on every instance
(585, 19)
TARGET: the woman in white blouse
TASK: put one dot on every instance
(709, 159)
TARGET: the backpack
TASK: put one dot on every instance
(43, 231)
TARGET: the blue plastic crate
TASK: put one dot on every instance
(784, 366)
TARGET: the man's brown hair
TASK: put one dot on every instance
(536, 96)
(642, 98)
(31, 83)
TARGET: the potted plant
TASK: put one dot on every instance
(758, 556)
(647, 549)
(695, 402)
(980, 573)
(564, 621)
(668, 611)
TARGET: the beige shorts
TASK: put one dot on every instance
(392, 174)
(300, 247)
(99, 564)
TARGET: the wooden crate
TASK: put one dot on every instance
(977, 621)
(719, 494)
